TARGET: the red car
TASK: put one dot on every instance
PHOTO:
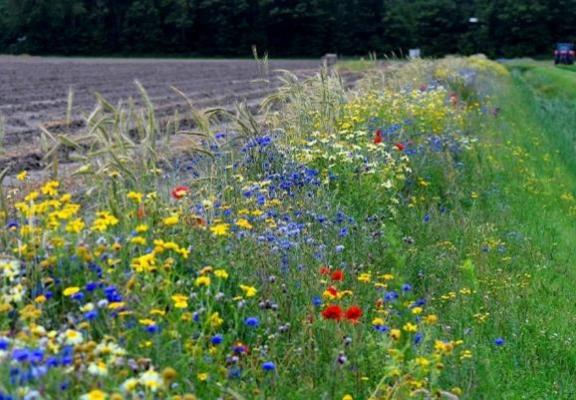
(564, 53)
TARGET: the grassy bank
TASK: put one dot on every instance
(524, 178)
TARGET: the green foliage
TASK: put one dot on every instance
(283, 27)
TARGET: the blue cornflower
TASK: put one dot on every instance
(12, 224)
(268, 366)
(90, 315)
(316, 301)
(406, 287)
(36, 355)
(391, 296)
(217, 339)
(499, 341)
(419, 303)
(152, 328)
(252, 322)
(21, 355)
(52, 362)
(418, 338)
(91, 286)
(77, 296)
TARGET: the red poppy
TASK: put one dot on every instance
(378, 137)
(179, 191)
(399, 146)
(332, 290)
(454, 99)
(141, 213)
(337, 275)
(353, 314)
(333, 312)
(324, 270)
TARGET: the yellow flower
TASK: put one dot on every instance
(243, 223)
(129, 385)
(180, 301)
(40, 299)
(395, 334)
(141, 228)
(104, 220)
(221, 273)
(215, 320)
(347, 397)
(70, 291)
(202, 281)
(249, 291)
(30, 313)
(203, 376)
(417, 310)
(443, 347)
(75, 226)
(378, 321)
(138, 241)
(94, 395)
(171, 221)
(365, 277)
(144, 263)
(32, 196)
(221, 229)
(431, 319)
(422, 362)
(206, 270)
(50, 188)
(135, 196)
(169, 373)
(22, 176)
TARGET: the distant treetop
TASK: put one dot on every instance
(284, 27)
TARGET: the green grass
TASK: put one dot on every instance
(525, 164)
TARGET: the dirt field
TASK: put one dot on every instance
(34, 90)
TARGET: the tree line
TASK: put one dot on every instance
(284, 27)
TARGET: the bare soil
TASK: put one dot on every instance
(34, 90)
